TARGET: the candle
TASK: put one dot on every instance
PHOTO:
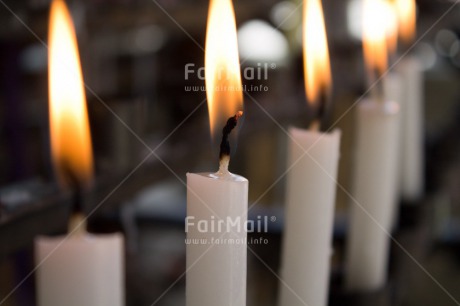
(371, 211)
(410, 69)
(392, 92)
(412, 157)
(217, 203)
(79, 269)
(376, 167)
(311, 182)
(307, 238)
(82, 269)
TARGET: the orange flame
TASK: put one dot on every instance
(317, 69)
(392, 26)
(222, 68)
(406, 11)
(375, 36)
(69, 127)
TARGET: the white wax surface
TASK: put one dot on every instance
(216, 273)
(374, 191)
(412, 116)
(81, 270)
(393, 91)
(310, 199)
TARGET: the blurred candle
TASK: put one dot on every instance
(216, 255)
(311, 182)
(410, 70)
(392, 89)
(79, 269)
(376, 166)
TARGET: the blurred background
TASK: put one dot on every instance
(134, 55)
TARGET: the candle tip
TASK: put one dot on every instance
(77, 224)
(225, 143)
(223, 165)
(315, 125)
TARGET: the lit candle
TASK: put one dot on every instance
(79, 269)
(217, 203)
(311, 182)
(410, 70)
(376, 166)
(392, 88)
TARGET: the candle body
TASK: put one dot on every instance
(216, 254)
(80, 270)
(393, 91)
(310, 198)
(412, 153)
(373, 193)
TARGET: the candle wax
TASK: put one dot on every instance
(81, 269)
(310, 199)
(371, 209)
(216, 257)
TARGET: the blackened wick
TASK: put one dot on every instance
(74, 184)
(225, 143)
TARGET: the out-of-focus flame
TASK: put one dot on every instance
(222, 68)
(375, 36)
(392, 26)
(69, 125)
(315, 51)
(406, 11)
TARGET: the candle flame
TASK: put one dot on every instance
(222, 69)
(392, 26)
(375, 36)
(69, 127)
(315, 51)
(406, 13)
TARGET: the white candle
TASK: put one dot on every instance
(373, 195)
(311, 180)
(373, 192)
(82, 269)
(216, 258)
(412, 157)
(217, 203)
(392, 91)
(411, 174)
(307, 238)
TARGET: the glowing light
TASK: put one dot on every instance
(375, 36)
(222, 68)
(69, 125)
(407, 19)
(316, 53)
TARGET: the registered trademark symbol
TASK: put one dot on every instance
(273, 218)
(273, 66)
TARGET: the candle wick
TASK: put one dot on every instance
(315, 125)
(72, 181)
(321, 102)
(223, 165)
(376, 81)
(224, 155)
(77, 224)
